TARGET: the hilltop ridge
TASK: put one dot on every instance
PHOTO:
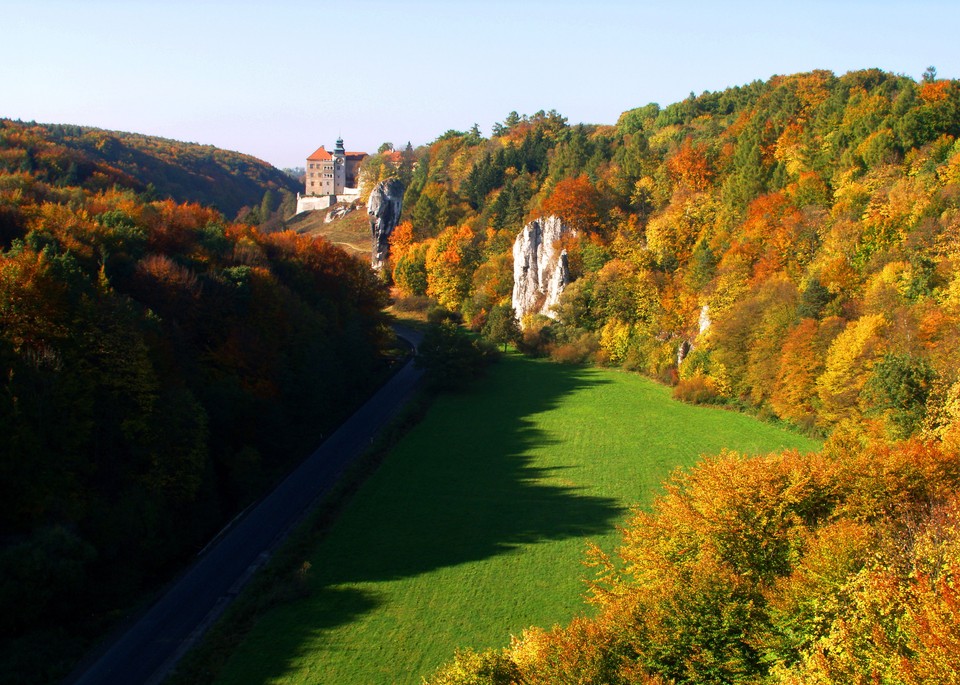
(814, 215)
(96, 159)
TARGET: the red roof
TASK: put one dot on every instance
(320, 154)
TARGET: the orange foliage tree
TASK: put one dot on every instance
(833, 568)
(450, 262)
(800, 364)
(689, 165)
(576, 201)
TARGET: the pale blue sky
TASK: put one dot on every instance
(239, 74)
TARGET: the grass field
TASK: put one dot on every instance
(476, 524)
(351, 232)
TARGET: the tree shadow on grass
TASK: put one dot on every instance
(461, 487)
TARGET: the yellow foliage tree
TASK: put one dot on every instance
(850, 358)
(450, 263)
(615, 340)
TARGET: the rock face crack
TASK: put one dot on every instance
(541, 269)
(384, 205)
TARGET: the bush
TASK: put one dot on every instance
(416, 304)
(696, 390)
(450, 357)
(478, 668)
(439, 314)
(580, 351)
(536, 335)
(636, 360)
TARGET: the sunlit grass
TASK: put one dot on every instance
(476, 524)
(351, 232)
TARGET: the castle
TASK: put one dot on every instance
(330, 177)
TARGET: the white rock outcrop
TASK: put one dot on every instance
(705, 321)
(337, 212)
(384, 205)
(540, 267)
(686, 347)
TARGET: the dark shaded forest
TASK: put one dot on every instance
(160, 366)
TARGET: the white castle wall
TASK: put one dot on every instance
(309, 203)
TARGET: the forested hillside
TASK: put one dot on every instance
(803, 235)
(94, 159)
(797, 239)
(815, 217)
(159, 367)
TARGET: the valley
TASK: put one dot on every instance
(477, 523)
(770, 269)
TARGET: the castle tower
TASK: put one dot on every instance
(339, 168)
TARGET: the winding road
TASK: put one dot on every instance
(151, 647)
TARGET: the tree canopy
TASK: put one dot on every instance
(159, 367)
(795, 211)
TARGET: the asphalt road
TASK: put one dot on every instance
(147, 652)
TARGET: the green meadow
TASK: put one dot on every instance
(476, 524)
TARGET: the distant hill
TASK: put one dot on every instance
(94, 159)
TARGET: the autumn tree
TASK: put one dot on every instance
(576, 202)
(783, 568)
(410, 270)
(450, 261)
(408, 259)
(690, 166)
(849, 360)
(800, 363)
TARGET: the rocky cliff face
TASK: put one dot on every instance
(540, 268)
(705, 321)
(384, 207)
(686, 346)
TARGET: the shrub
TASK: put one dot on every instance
(478, 668)
(439, 314)
(536, 336)
(696, 390)
(580, 351)
(450, 357)
(416, 304)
